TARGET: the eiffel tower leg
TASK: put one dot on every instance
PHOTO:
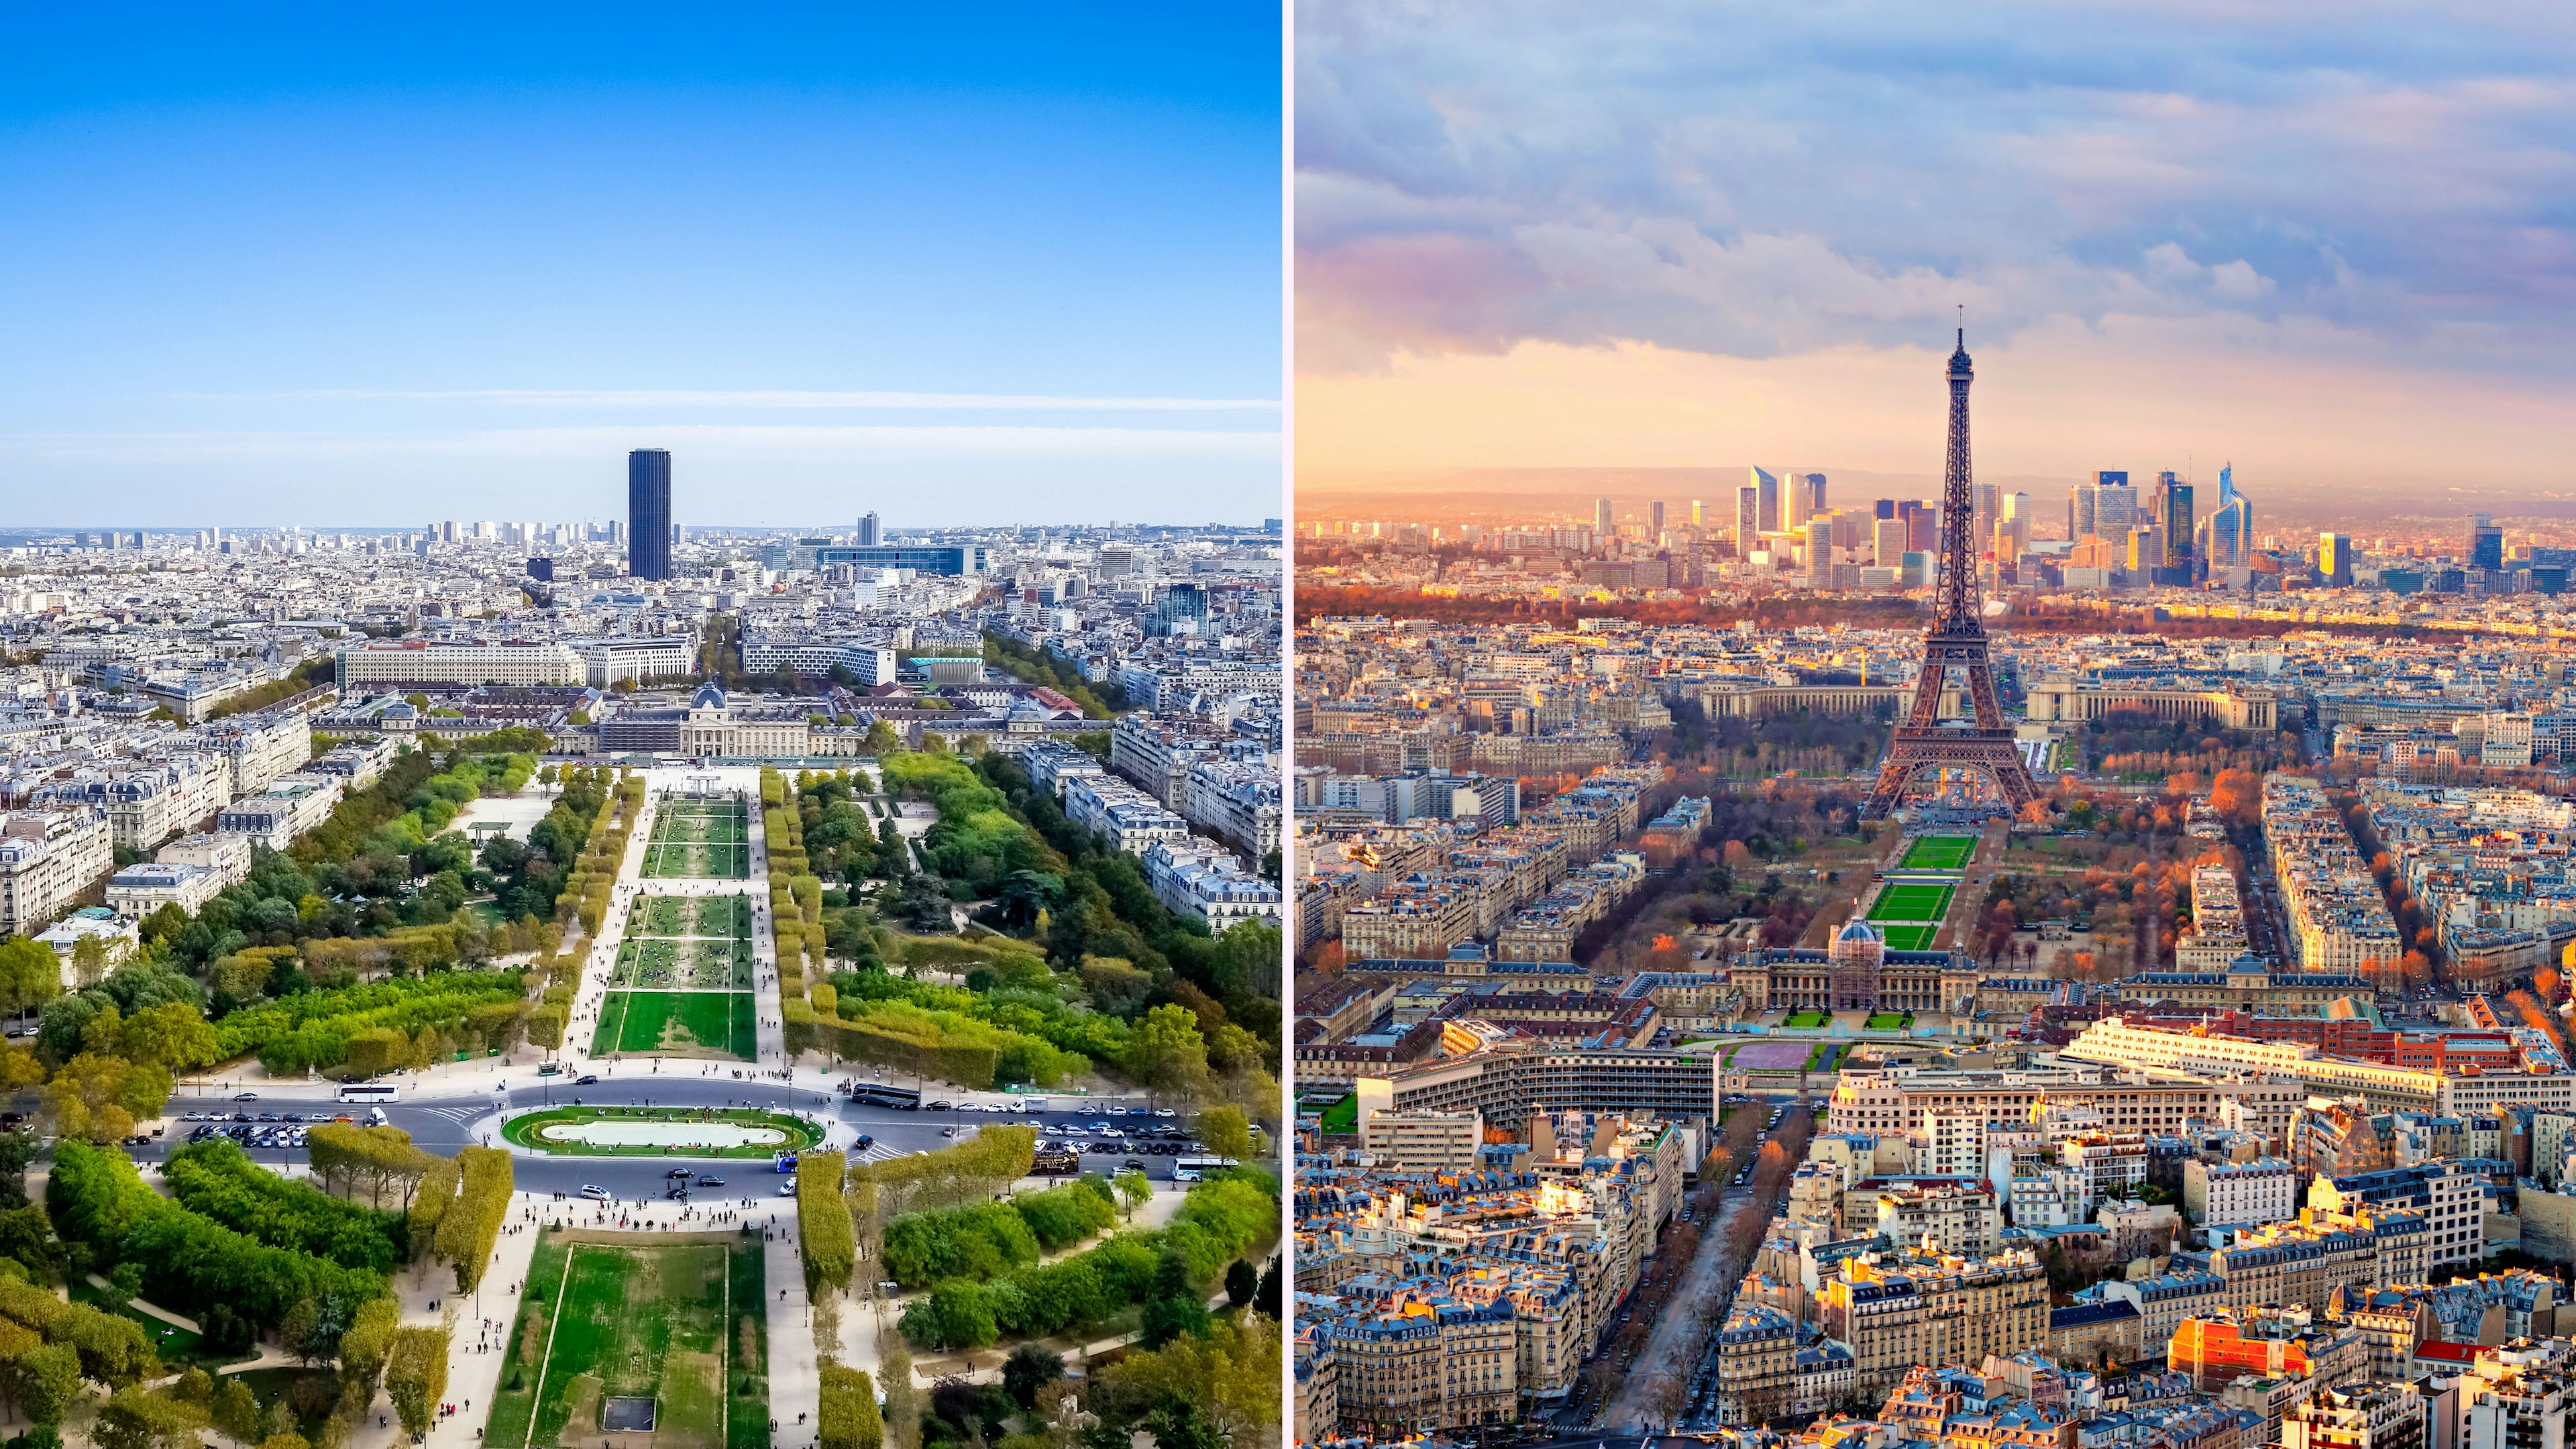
(1889, 790)
(1981, 696)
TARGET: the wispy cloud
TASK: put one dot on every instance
(794, 399)
(699, 441)
(1767, 182)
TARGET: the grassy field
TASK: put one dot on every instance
(1912, 903)
(677, 918)
(679, 1322)
(694, 964)
(1889, 1020)
(1939, 852)
(1807, 1019)
(700, 839)
(677, 1023)
(1911, 938)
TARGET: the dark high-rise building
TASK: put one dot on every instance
(1748, 521)
(1601, 529)
(2485, 544)
(1655, 519)
(2173, 515)
(648, 513)
(542, 570)
(1883, 508)
(1922, 525)
(868, 530)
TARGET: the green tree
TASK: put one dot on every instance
(1242, 1283)
(42, 1381)
(1225, 1132)
(1135, 1189)
(1031, 1367)
(1167, 1056)
(135, 1419)
(416, 1375)
(236, 1412)
(30, 974)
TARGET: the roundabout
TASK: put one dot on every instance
(660, 1132)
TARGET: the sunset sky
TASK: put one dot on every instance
(2330, 244)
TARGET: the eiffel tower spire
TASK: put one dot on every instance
(1955, 639)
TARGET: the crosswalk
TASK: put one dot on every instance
(459, 1115)
(879, 1152)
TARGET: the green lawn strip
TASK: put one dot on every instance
(1888, 1021)
(523, 1131)
(746, 1025)
(1912, 903)
(748, 1422)
(1343, 1116)
(1822, 1056)
(612, 1020)
(1911, 938)
(1939, 852)
(645, 1321)
(675, 1021)
(1805, 1020)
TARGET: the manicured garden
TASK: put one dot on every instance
(693, 964)
(609, 1330)
(1939, 852)
(678, 1023)
(1912, 902)
(705, 839)
(1806, 1020)
(589, 1131)
(1910, 938)
(1890, 1020)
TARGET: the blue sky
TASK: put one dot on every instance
(2333, 242)
(332, 265)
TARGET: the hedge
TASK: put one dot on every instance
(984, 1240)
(848, 1418)
(823, 1220)
(217, 1179)
(190, 1262)
(472, 1224)
(312, 1028)
(1221, 1218)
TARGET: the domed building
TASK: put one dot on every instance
(1858, 959)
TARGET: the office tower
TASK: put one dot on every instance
(1820, 550)
(1883, 508)
(1922, 526)
(1181, 604)
(1816, 501)
(1766, 488)
(542, 570)
(2334, 559)
(2174, 521)
(648, 513)
(1748, 520)
(2485, 544)
(1601, 530)
(2012, 527)
(1655, 519)
(1887, 540)
(868, 529)
(1697, 520)
(2079, 510)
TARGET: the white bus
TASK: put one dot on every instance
(367, 1092)
(1190, 1169)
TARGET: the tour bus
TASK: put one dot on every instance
(878, 1094)
(1190, 1169)
(369, 1092)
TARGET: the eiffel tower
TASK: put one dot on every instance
(1956, 639)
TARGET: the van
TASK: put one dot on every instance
(1034, 1104)
(376, 1117)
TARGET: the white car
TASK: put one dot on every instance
(1070, 1130)
(594, 1192)
(787, 1189)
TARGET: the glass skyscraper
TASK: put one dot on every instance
(648, 513)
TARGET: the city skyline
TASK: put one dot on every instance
(815, 256)
(2321, 251)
